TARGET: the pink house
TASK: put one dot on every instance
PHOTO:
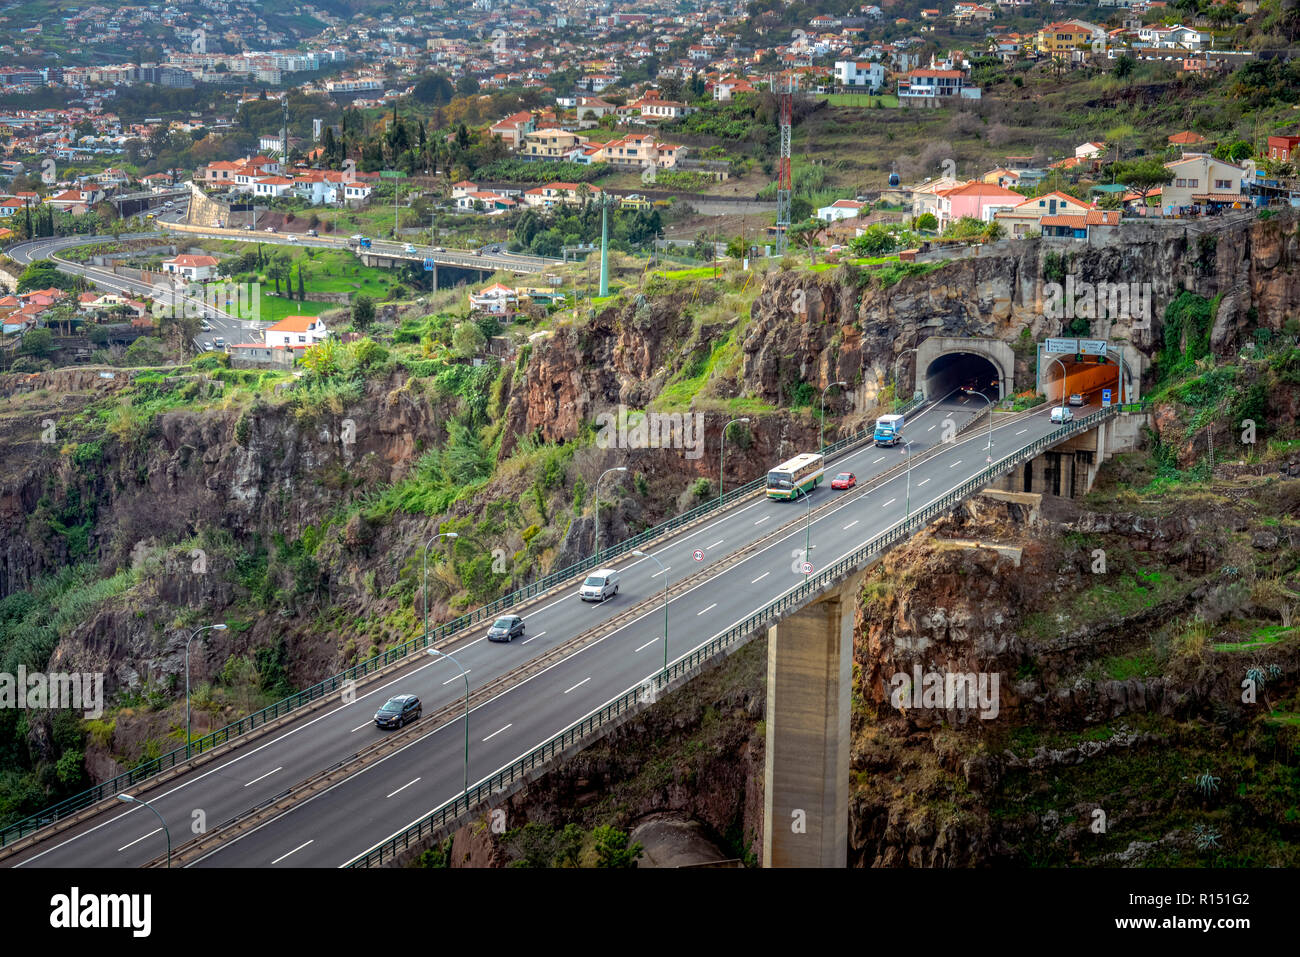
(976, 200)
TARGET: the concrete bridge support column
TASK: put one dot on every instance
(806, 784)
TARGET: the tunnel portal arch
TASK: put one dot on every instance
(970, 358)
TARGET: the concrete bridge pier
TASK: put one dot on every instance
(806, 783)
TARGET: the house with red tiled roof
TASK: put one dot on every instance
(555, 194)
(975, 200)
(293, 331)
(1187, 138)
(1028, 214)
(514, 128)
(190, 267)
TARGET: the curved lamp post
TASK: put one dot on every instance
(988, 448)
(640, 554)
(617, 468)
(464, 674)
(807, 542)
(907, 507)
(200, 631)
(723, 449)
(135, 800)
(427, 546)
(821, 439)
(1065, 378)
(896, 362)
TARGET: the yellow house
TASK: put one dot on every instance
(1062, 38)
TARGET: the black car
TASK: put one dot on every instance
(398, 710)
(506, 628)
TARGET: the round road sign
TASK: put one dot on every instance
(807, 568)
(698, 555)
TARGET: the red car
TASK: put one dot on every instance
(844, 480)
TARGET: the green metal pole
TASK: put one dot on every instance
(464, 674)
(604, 245)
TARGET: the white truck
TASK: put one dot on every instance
(889, 428)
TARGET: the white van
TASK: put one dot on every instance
(1061, 415)
(600, 585)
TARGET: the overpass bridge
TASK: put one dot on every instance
(379, 253)
(309, 781)
(129, 204)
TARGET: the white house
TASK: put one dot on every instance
(296, 331)
(356, 192)
(497, 300)
(860, 73)
(193, 268)
(840, 209)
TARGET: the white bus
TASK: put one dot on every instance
(799, 475)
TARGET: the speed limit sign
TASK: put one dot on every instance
(807, 568)
(698, 555)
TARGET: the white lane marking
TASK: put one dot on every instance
(889, 503)
(851, 524)
(881, 459)
(1022, 432)
(527, 640)
(579, 684)
(955, 464)
(498, 731)
(919, 484)
(760, 578)
(294, 851)
(266, 775)
(710, 608)
(139, 839)
(763, 519)
(359, 727)
(666, 570)
(714, 545)
(456, 678)
(402, 788)
(648, 643)
(931, 428)
(556, 664)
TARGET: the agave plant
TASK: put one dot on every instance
(1206, 837)
(1207, 783)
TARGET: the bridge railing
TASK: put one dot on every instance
(335, 683)
(518, 770)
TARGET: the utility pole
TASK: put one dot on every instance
(604, 244)
(784, 191)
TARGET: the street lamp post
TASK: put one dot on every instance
(721, 450)
(427, 546)
(220, 627)
(907, 506)
(617, 468)
(807, 541)
(821, 439)
(640, 554)
(135, 800)
(988, 448)
(464, 674)
(1065, 378)
(896, 362)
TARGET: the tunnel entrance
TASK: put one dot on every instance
(962, 370)
(1087, 378)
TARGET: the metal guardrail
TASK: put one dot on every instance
(444, 816)
(147, 769)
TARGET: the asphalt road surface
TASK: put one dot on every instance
(385, 797)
